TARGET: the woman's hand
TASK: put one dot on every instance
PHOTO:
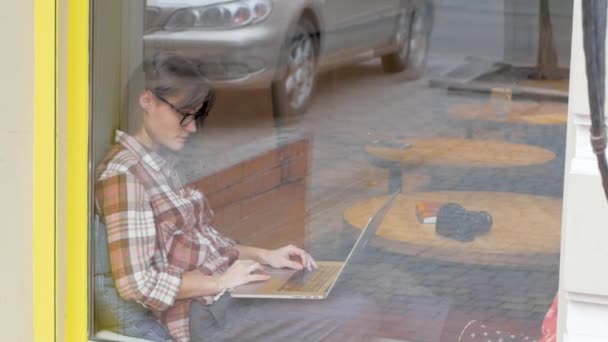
(240, 273)
(280, 258)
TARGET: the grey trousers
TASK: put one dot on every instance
(232, 319)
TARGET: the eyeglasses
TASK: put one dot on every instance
(200, 114)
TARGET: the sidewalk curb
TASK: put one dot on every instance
(486, 87)
(471, 75)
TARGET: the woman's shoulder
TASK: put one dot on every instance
(118, 160)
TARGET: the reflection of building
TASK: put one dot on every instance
(522, 28)
(44, 182)
(500, 30)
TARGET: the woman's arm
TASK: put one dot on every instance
(196, 284)
(129, 219)
(252, 253)
(278, 258)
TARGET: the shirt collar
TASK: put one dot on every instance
(148, 156)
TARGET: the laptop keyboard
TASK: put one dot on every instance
(309, 281)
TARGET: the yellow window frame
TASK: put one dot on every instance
(44, 174)
(77, 194)
(75, 53)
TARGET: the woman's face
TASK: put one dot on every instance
(161, 122)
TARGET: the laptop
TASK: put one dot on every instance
(314, 284)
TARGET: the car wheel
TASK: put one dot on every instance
(293, 89)
(413, 44)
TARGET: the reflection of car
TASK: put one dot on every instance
(282, 44)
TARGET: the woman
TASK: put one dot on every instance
(164, 252)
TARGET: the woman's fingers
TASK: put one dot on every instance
(255, 272)
(243, 272)
(294, 265)
(306, 259)
(300, 253)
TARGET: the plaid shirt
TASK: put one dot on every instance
(157, 229)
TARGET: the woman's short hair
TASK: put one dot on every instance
(169, 74)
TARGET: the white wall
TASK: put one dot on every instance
(583, 310)
(501, 30)
(16, 159)
(469, 28)
(522, 29)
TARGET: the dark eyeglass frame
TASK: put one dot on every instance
(200, 114)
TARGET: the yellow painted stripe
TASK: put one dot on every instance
(77, 173)
(44, 206)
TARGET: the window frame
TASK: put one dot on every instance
(77, 194)
(44, 209)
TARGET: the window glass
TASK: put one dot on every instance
(412, 150)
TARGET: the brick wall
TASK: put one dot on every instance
(261, 200)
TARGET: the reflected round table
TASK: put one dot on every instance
(453, 152)
(513, 112)
(525, 230)
(540, 113)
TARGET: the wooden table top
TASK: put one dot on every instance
(465, 153)
(525, 230)
(539, 113)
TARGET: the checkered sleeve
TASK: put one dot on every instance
(132, 245)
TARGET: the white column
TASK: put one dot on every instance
(583, 309)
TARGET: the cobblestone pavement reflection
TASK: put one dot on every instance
(423, 299)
